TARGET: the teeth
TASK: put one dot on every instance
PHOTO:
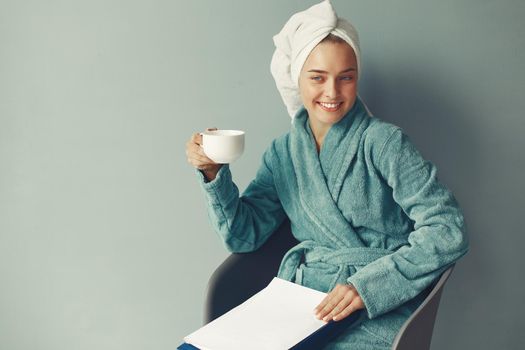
(329, 105)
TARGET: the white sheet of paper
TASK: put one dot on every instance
(278, 317)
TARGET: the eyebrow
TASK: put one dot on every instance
(322, 71)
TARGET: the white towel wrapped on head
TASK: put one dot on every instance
(299, 36)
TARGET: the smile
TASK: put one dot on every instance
(330, 107)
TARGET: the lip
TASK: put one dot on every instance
(330, 109)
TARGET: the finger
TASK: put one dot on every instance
(347, 311)
(196, 139)
(347, 300)
(322, 304)
(199, 161)
(327, 298)
(192, 148)
(199, 136)
(196, 153)
(195, 148)
(318, 309)
(336, 298)
(204, 157)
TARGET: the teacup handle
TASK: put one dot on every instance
(202, 134)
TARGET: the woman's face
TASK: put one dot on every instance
(328, 83)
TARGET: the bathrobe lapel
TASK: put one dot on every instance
(320, 177)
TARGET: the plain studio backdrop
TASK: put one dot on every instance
(104, 237)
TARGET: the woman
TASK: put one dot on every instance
(375, 225)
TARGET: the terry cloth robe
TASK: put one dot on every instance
(367, 210)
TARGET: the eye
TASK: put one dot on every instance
(316, 78)
(347, 78)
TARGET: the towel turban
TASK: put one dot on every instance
(299, 36)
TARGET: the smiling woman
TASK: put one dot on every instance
(375, 226)
(328, 84)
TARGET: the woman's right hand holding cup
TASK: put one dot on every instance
(197, 158)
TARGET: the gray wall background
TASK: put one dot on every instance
(104, 238)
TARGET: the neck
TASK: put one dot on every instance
(319, 131)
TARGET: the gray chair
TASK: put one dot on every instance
(416, 332)
(242, 275)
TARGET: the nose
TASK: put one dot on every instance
(331, 89)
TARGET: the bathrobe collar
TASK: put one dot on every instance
(320, 176)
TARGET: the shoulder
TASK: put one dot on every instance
(378, 134)
(275, 152)
(390, 147)
(278, 147)
(281, 142)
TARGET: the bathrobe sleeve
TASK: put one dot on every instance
(438, 238)
(243, 223)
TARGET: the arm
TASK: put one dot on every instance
(438, 239)
(243, 223)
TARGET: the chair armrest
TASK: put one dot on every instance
(416, 332)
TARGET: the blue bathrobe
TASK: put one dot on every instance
(367, 209)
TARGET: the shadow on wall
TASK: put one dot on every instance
(430, 111)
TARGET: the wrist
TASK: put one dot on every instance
(211, 173)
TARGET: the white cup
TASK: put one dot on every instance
(223, 146)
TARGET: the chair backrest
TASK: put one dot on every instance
(416, 332)
(242, 275)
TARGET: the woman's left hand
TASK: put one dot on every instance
(339, 303)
